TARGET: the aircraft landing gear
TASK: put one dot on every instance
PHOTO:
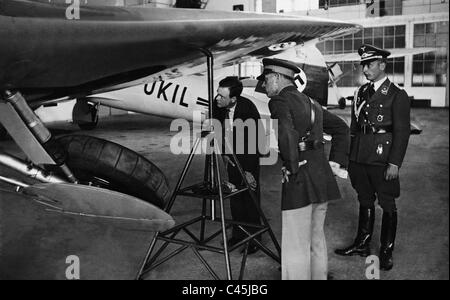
(3, 133)
(78, 159)
(104, 164)
(85, 115)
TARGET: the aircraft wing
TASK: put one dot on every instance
(354, 56)
(46, 55)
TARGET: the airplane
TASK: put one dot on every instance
(182, 97)
(46, 58)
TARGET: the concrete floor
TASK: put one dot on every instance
(34, 243)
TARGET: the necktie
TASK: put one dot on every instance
(229, 120)
(371, 90)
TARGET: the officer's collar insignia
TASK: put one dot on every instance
(385, 89)
(366, 87)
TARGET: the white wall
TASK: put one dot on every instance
(227, 5)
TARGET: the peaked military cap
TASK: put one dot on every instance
(369, 53)
(275, 65)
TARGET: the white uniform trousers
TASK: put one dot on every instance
(303, 245)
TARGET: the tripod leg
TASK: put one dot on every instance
(206, 179)
(183, 175)
(244, 261)
(253, 196)
(222, 210)
(169, 205)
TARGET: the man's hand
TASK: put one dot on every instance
(337, 170)
(286, 172)
(251, 180)
(391, 172)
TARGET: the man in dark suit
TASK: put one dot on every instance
(308, 181)
(380, 132)
(231, 108)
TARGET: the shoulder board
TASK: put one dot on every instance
(397, 86)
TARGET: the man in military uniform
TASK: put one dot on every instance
(308, 181)
(380, 130)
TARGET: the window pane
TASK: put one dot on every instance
(442, 40)
(368, 33)
(399, 72)
(442, 27)
(430, 40)
(356, 44)
(378, 42)
(378, 32)
(329, 47)
(419, 41)
(348, 37)
(429, 56)
(429, 73)
(387, 11)
(400, 29)
(441, 67)
(389, 42)
(429, 80)
(418, 67)
(417, 79)
(429, 28)
(348, 46)
(399, 66)
(419, 29)
(400, 42)
(389, 30)
(389, 67)
(368, 41)
(441, 80)
(358, 34)
(338, 46)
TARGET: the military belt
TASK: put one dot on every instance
(371, 129)
(309, 145)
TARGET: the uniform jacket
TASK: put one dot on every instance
(388, 107)
(313, 182)
(245, 110)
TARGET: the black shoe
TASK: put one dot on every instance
(387, 240)
(358, 248)
(361, 245)
(386, 259)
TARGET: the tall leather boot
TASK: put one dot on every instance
(387, 240)
(361, 245)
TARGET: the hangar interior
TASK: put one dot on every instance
(36, 243)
